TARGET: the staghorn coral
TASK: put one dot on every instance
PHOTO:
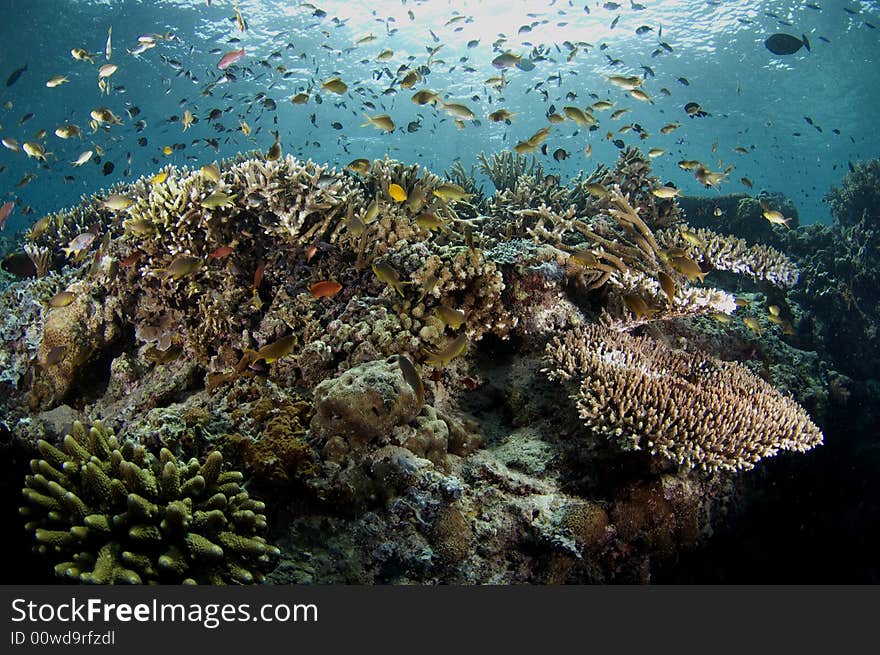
(505, 168)
(728, 253)
(687, 408)
(112, 513)
(622, 258)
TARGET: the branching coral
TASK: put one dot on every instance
(728, 253)
(687, 408)
(505, 168)
(110, 512)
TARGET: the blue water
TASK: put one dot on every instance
(757, 100)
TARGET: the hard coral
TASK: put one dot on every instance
(110, 512)
(687, 408)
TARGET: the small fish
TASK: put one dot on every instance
(273, 351)
(746, 182)
(335, 85)
(454, 318)
(230, 58)
(560, 154)
(158, 178)
(451, 192)
(107, 70)
(506, 60)
(5, 211)
(397, 192)
(274, 151)
(61, 299)
(452, 350)
(412, 378)
(381, 122)
(775, 217)
(117, 202)
(458, 111)
(79, 244)
(668, 286)
(688, 267)
(300, 98)
(211, 172)
(597, 190)
(425, 96)
(501, 116)
(669, 127)
(55, 355)
(691, 238)
(387, 274)
(13, 78)
(430, 221)
(82, 55)
(361, 166)
(217, 199)
(56, 80)
(637, 305)
(325, 289)
(752, 324)
(222, 251)
(182, 266)
(655, 152)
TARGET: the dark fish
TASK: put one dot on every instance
(142, 141)
(619, 143)
(694, 110)
(560, 154)
(336, 125)
(108, 167)
(684, 81)
(786, 44)
(19, 264)
(413, 126)
(525, 65)
(12, 79)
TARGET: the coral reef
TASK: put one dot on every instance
(113, 513)
(369, 356)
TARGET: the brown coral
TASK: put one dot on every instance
(688, 408)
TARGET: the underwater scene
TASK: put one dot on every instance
(440, 292)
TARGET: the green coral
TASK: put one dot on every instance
(110, 512)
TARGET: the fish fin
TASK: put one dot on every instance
(806, 42)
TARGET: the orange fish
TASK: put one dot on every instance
(131, 260)
(230, 58)
(5, 211)
(325, 289)
(311, 251)
(258, 276)
(222, 251)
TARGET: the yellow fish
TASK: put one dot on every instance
(452, 350)
(397, 192)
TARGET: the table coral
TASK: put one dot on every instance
(687, 408)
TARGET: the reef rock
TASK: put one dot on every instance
(365, 402)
